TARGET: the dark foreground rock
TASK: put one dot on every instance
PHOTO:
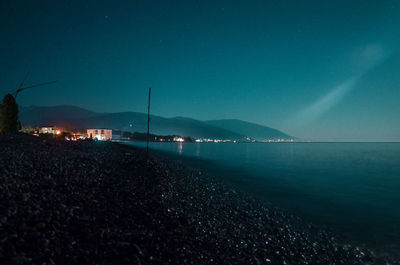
(103, 203)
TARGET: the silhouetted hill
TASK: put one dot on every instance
(76, 117)
(252, 130)
(57, 115)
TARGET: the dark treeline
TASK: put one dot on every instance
(137, 136)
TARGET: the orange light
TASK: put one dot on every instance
(58, 132)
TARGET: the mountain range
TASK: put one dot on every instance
(80, 118)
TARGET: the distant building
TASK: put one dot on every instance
(104, 134)
(50, 130)
(28, 130)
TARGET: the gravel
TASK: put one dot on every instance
(104, 203)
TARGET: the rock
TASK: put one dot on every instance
(41, 225)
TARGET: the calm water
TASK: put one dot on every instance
(352, 189)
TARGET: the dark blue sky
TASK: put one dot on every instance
(326, 70)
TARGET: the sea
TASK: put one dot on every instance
(350, 189)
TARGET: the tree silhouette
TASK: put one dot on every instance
(9, 115)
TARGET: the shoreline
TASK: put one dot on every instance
(318, 208)
(88, 202)
(232, 177)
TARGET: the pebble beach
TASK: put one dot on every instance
(105, 203)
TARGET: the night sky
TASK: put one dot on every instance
(324, 70)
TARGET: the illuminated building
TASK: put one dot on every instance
(103, 134)
(50, 130)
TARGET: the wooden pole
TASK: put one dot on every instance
(148, 122)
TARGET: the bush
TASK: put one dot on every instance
(9, 115)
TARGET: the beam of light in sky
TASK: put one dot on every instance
(368, 57)
(321, 106)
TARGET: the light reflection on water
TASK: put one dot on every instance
(198, 150)
(180, 148)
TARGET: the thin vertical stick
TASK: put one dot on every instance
(148, 122)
